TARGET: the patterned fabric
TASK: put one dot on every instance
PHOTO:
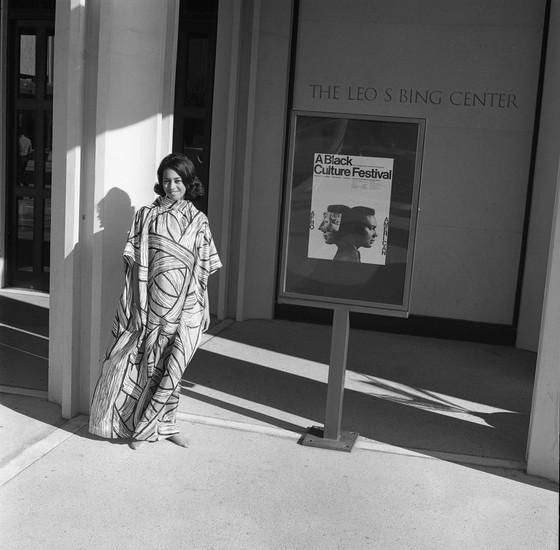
(168, 257)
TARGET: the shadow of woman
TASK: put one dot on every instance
(115, 213)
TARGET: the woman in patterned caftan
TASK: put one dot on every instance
(161, 314)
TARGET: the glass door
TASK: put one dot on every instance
(29, 150)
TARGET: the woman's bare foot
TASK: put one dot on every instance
(178, 439)
(135, 444)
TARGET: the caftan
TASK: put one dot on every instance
(168, 256)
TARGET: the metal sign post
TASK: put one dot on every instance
(331, 436)
(347, 177)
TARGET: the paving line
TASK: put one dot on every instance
(23, 351)
(236, 425)
(28, 392)
(24, 331)
(38, 450)
(361, 443)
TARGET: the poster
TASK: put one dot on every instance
(350, 202)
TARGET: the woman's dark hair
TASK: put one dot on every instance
(185, 168)
(353, 220)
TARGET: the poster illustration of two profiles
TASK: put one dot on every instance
(350, 201)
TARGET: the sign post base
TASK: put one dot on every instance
(314, 438)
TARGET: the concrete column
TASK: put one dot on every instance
(543, 193)
(105, 168)
(264, 138)
(544, 429)
(539, 322)
(3, 68)
(247, 183)
(246, 162)
(67, 150)
(223, 147)
(133, 131)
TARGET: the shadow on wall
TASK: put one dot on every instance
(24, 328)
(115, 213)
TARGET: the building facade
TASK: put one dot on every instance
(108, 87)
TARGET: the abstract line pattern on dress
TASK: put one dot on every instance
(169, 255)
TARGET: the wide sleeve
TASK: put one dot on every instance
(131, 308)
(207, 255)
(137, 237)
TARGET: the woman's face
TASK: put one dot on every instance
(173, 185)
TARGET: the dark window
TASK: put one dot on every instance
(29, 142)
(195, 85)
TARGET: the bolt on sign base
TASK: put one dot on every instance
(314, 438)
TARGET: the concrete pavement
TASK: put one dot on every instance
(253, 489)
(438, 463)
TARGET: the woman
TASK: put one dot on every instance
(161, 315)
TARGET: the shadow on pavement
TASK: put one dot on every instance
(408, 393)
(17, 314)
(428, 395)
(378, 419)
(24, 345)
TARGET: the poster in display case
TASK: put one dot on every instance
(350, 211)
